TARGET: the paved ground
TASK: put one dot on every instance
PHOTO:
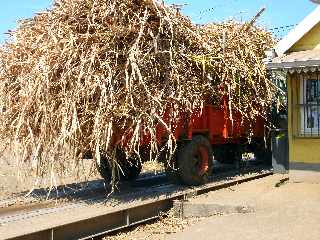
(288, 212)
(299, 176)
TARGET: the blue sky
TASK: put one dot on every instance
(279, 12)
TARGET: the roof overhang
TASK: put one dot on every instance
(305, 61)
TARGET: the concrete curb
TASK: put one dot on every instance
(185, 209)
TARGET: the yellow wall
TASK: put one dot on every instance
(310, 41)
(305, 150)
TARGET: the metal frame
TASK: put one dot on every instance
(308, 105)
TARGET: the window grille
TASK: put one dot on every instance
(309, 105)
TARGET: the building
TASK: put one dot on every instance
(298, 54)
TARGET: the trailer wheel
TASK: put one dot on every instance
(130, 168)
(170, 163)
(172, 171)
(104, 169)
(227, 154)
(195, 161)
(229, 157)
(263, 155)
(262, 151)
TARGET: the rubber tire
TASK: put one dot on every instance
(263, 153)
(131, 168)
(172, 171)
(229, 156)
(170, 165)
(187, 162)
(104, 169)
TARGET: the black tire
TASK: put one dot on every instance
(172, 171)
(263, 156)
(228, 155)
(170, 164)
(104, 169)
(262, 151)
(130, 168)
(195, 161)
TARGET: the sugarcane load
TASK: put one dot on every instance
(125, 81)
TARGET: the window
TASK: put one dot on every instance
(310, 106)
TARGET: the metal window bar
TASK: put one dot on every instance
(298, 109)
(303, 101)
(308, 106)
(318, 102)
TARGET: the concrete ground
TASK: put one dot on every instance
(288, 212)
(300, 176)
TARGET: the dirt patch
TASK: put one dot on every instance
(10, 182)
(16, 179)
(13, 182)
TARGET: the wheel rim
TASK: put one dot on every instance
(202, 160)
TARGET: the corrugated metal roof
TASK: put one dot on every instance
(297, 61)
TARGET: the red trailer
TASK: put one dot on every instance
(209, 134)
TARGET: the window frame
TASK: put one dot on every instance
(306, 108)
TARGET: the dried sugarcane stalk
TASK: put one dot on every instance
(76, 77)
